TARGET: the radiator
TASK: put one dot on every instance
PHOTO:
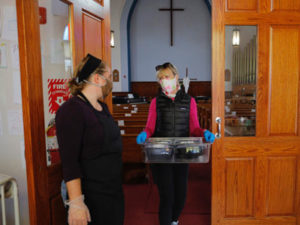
(9, 189)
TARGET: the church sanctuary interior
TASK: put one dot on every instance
(239, 60)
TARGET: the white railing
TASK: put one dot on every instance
(9, 189)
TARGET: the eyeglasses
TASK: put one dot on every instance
(163, 66)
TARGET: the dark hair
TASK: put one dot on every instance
(164, 66)
(74, 84)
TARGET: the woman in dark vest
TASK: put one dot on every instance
(90, 148)
(173, 113)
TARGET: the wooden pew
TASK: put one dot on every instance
(132, 129)
(240, 116)
(132, 152)
(126, 106)
(134, 168)
(131, 114)
(131, 124)
(204, 114)
(134, 110)
(117, 107)
(126, 122)
(130, 117)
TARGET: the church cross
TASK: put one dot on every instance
(171, 9)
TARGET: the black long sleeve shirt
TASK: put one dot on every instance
(79, 135)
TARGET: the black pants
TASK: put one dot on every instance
(171, 180)
(105, 209)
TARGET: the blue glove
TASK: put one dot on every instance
(209, 136)
(141, 138)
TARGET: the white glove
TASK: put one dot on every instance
(79, 213)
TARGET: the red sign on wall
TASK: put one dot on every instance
(58, 93)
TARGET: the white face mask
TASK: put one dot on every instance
(91, 83)
(169, 86)
(106, 88)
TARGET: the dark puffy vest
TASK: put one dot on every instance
(173, 117)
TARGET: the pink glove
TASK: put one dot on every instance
(78, 213)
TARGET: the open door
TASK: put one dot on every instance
(256, 168)
(53, 36)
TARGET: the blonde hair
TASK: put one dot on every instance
(161, 68)
(75, 86)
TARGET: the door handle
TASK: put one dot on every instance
(218, 121)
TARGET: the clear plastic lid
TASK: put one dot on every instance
(189, 141)
(176, 150)
(159, 140)
(158, 143)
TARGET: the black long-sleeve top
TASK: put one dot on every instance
(77, 126)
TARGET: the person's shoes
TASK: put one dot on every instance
(174, 223)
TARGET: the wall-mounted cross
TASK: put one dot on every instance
(171, 9)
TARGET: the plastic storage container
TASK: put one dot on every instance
(176, 150)
(158, 150)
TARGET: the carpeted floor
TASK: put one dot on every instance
(197, 202)
(141, 202)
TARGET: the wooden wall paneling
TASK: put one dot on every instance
(285, 5)
(33, 114)
(148, 89)
(281, 186)
(263, 146)
(93, 8)
(260, 187)
(200, 88)
(237, 5)
(239, 187)
(92, 30)
(284, 69)
(218, 84)
(262, 80)
(253, 18)
(298, 108)
(265, 6)
(287, 220)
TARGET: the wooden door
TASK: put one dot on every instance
(90, 33)
(256, 180)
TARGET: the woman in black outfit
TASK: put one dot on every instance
(173, 113)
(90, 148)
